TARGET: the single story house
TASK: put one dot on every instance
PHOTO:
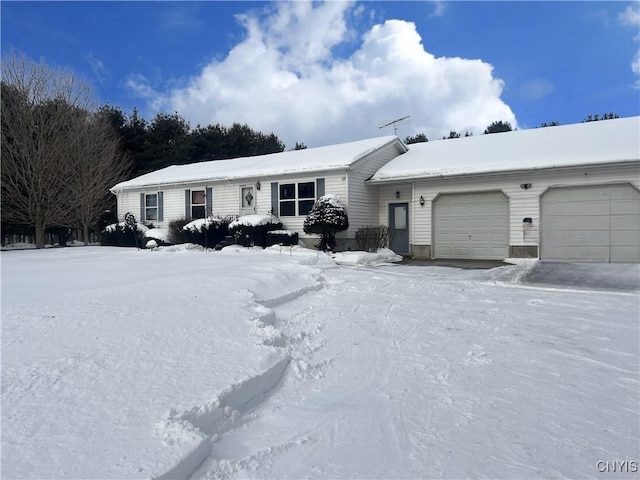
(558, 193)
(286, 184)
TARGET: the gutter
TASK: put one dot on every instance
(619, 163)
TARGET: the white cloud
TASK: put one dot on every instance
(97, 67)
(282, 78)
(439, 8)
(631, 17)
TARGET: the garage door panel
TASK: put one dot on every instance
(471, 226)
(627, 254)
(583, 208)
(624, 237)
(631, 223)
(625, 207)
(599, 223)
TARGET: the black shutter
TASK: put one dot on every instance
(274, 198)
(141, 220)
(161, 206)
(187, 204)
(319, 187)
(209, 207)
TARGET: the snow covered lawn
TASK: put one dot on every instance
(119, 363)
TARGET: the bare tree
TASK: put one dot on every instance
(98, 165)
(45, 127)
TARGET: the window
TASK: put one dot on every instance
(305, 198)
(247, 197)
(151, 207)
(287, 200)
(306, 191)
(198, 204)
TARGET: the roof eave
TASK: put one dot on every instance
(502, 172)
(227, 179)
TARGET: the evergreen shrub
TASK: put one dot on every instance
(327, 217)
(286, 238)
(207, 232)
(252, 230)
(122, 235)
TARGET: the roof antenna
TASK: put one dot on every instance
(395, 127)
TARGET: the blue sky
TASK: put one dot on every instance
(322, 73)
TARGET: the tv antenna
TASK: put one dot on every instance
(394, 122)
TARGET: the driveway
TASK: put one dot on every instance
(598, 276)
(454, 263)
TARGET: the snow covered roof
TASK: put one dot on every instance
(604, 141)
(332, 157)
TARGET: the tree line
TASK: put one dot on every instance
(168, 139)
(60, 155)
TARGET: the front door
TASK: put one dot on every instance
(247, 200)
(399, 227)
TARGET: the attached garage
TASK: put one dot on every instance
(471, 225)
(591, 224)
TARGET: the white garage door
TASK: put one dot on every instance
(591, 224)
(471, 225)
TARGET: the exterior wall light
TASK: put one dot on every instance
(421, 201)
(397, 193)
(258, 185)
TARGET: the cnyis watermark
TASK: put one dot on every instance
(617, 466)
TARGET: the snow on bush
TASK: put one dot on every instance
(285, 238)
(122, 225)
(151, 244)
(207, 232)
(255, 220)
(161, 234)
(251, 230)
(122, 235)
(327, 217)
(199, 225)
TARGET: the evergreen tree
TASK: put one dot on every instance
(498, 127)
(419, 138)
(596, 117)
(327, 217)
(452, 134)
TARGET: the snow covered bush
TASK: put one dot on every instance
(122, 235)
(286, 238)
(372, 239)
(207, 232)
(159, 235)
(327, 217)
(251, 230)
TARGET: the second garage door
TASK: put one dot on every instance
(471, 225)
(591, 224)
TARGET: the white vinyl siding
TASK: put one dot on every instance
(363, 198)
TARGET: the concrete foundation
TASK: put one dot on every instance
(523, 251)
(421, 251)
